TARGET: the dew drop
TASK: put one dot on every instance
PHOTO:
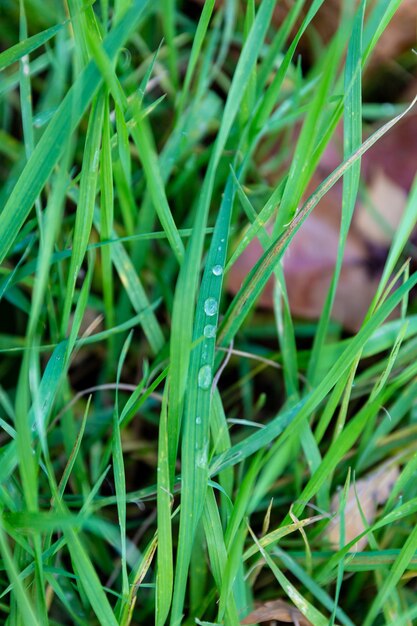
(222, 240)
(209, 331)
(210, 307)
(217, 270)
(96, 159)
(198, 420)
(204, 377)
(202, 457)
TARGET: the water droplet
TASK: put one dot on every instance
(209, 331)
(210, 307)
(204, 377)
(96, 160)
(222, 240)
(25, 63)
(219, 248)
(198, 420)
(202, 457)
(217, 270)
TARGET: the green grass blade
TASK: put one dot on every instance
(19, 50)
(165, 572)
(119, 475)
(27, 610)
(85, 209)
(306, 608)
(195, 440)
(195, 51)
(352, 129)
(395, 573)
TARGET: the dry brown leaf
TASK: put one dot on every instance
(395, 153)
(308, 268)
(388, 170)
(277, 610)
(371, 492)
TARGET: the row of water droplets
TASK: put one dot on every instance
(211, 307)
(205, 374)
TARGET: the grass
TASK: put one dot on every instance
(169, 452)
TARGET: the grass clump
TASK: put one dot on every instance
(169, 453)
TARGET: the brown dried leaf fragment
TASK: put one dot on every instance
(371, 491)
(277, 610)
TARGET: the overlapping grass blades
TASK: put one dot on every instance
(158, 454)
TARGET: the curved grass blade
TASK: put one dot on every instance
(307, 609)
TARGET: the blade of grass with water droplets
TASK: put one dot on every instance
(195, 440)
(187, 284)
(106, 218)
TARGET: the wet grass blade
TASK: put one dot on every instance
(195, 441)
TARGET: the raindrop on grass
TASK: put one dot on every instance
(204, 377)
(210, 307)
(217, 270)
(209, 331)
